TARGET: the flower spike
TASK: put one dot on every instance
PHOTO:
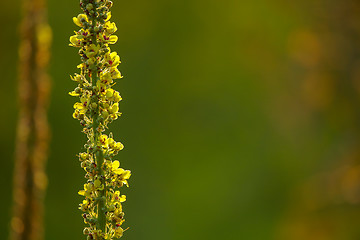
(98, 106)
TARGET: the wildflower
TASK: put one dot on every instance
(80, 19)
(98, 105)
(76, 40)
(110, 27)
(112, 59)
(92, 50)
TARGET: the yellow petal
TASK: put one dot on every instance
(73, 93)
(77, 22)
(125, 182)
(122, 198)
(119, 146)
(113, 39)
(75, 41)
(118, 171)
(113, 55)
(114, 108)
(78, 106)
(115, 164)
(81, 192)
(108, 16)
(127, 174)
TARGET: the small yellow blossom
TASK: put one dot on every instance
(76, 40)
(109, 39)
(112, 59)
(88, 189)
(103, 140)
(92, 50)
(117, 97)
(80, 107)
(110, 27)
(115, 73)
(119, 232)
(98, 185)
(105, 77)
(114, 108)
(118, 146)
(80, 19)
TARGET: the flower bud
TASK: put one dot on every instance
(83, 164)
(111, 208)
(90, 61)
(93, 105)
(106, 105)
(77, 90)
(109, 93)
(105, 114)
(86, 231)
(89, 6)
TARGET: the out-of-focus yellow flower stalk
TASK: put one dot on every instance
(97, 107)
(33, 133)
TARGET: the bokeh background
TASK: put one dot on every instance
(241, 119)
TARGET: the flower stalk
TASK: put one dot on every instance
(33, 131)
(99, 106)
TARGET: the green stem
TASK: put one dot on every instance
(102, 193)
(99, 160)
(99, 155)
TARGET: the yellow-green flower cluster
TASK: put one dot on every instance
(97, 107)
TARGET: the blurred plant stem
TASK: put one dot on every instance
(32, 138)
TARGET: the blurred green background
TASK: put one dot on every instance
(241, 119)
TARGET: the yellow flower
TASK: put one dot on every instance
(126, 175)
(98, 185)
(112, 39)
(115, 73)
(109, 39)
(112, 59)
(119, 232)
(105, 77)
(80, 108)
(111, 142)
(92, 50)
(88, 188)
(115, 167)
(114, 108)
(109, 93)
(83, 156)
(75, 40)
(118, 146)
(80, 19)
(117, 97)
(84, 205)
(104, 114)
(110, 27)
(119, 198)
(103, 139)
